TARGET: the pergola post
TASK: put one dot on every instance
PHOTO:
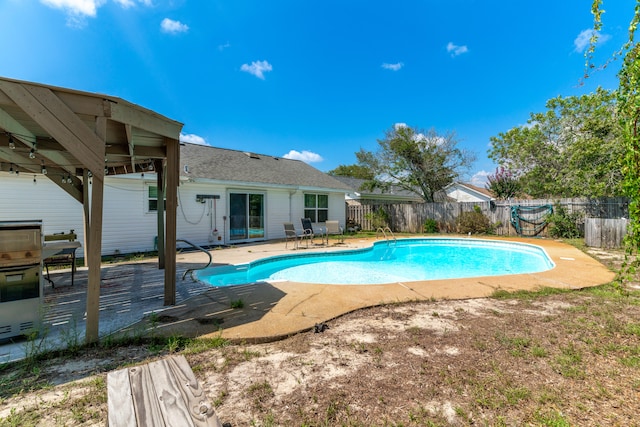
(172, 180)
(160, 185)
(94, 242)
(94, 260)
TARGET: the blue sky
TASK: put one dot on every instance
(317, 80)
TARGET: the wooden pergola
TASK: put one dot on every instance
(79, 137)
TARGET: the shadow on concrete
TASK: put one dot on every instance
(211, 311)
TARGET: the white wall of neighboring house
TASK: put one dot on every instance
(129, 226)
(463, 194)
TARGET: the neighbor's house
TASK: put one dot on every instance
(359, 195)
(225, 197)
(463, 192)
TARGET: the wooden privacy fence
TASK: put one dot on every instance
(605, 232)
(410, 218)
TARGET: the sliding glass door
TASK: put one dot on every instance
(246, 216)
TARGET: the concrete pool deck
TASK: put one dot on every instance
(274, 310)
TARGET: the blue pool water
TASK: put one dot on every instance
(405, 260)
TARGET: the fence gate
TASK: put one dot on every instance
(605, 232)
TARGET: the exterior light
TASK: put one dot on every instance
(32, 153)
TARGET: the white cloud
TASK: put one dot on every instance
(257, 68)
(125, 3)
(393, 67)
(224, 46)
(76, 7)
(584, 38)
(456, 50)
(193, 139)
(79, 10)
(173, 27)
(479, 178)
(305, 156)
(400, 125)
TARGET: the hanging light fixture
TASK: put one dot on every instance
(43, 169)
(11, 171)
(32, 153)
(34, 180)
(12, 144)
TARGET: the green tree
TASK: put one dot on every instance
(571, 150)
(420, 161)
(503, 184)
(628, 115)
(353, 171)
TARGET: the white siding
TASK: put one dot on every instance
(129, 227)
(278, 212)
(196, 221)
(126, 228)
(21, 199)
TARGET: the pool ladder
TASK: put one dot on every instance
(384, 231)
(201, 249)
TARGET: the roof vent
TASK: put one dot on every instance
(251, 155)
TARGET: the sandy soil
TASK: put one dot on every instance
(555, 360)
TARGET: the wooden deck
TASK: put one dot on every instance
(161, 393)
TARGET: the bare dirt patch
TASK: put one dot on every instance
(558, 359)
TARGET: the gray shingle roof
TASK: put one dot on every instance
(221, 164)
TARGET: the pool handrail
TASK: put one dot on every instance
(201, 249)
(384, 230)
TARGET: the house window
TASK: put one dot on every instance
(316, 207)
(152, 197)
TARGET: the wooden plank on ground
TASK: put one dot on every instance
(145, 399)
(120, 402)
(200, 409)
(174, 408)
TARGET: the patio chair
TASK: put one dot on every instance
(308, 232)
(291, 234)
(333, 228)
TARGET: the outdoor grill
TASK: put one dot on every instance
(21, 289)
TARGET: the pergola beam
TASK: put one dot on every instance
(146, 121)
(40, 103)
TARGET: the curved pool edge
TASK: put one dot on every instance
(282, 309)
(369, 248)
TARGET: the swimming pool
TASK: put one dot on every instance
(404, 260)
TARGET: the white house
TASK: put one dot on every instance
(225, 197)
(462, 192)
